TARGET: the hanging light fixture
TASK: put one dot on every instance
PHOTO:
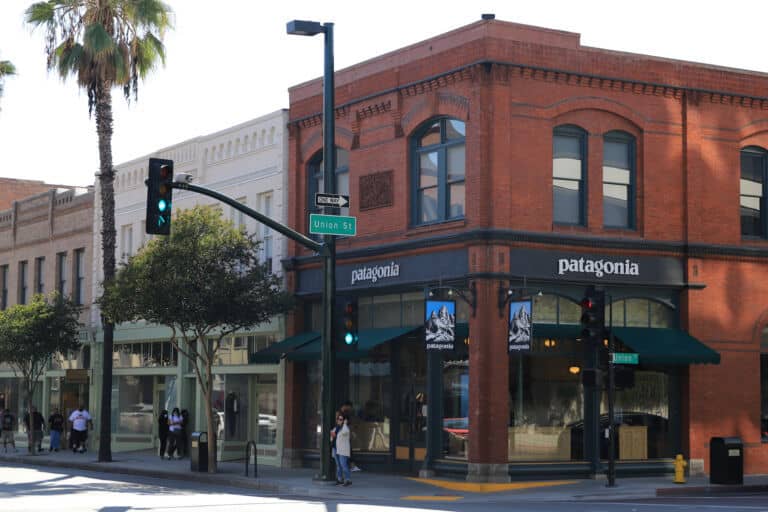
(574, 369)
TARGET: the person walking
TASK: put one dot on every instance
(162, 431)
(9, 429)
(34, 423)
(184, 435)
(174, 431)
(56, 427)
(347, 411)
(340, 449)
(81, 421)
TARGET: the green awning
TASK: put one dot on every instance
(665, 346)
(561, 331)
(273, 353)
(368, 340)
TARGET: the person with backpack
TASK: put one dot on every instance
(34, 423)
(162, 431)
(56, 427)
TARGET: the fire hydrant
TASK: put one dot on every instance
(680, 466)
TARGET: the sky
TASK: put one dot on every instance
(229, 61)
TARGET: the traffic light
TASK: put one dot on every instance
(347, 333)
(159, 196)
(593, 316)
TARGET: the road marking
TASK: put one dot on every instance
(432, 498)
(485, 488)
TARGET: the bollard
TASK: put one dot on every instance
(680, 466)
(251, 444)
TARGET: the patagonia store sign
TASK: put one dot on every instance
(390, 271)
(558, 265)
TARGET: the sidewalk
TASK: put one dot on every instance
(368, 486)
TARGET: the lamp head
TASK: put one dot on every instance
(304, 28)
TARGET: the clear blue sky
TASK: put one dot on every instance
(229, 61)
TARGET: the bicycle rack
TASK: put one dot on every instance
(248, 457)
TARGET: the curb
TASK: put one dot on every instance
(710, 489)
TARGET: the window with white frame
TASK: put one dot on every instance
(79, 277)
(236, 216)
(40, 275)
(126, 241)
(266, 234)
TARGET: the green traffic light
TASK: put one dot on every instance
(162, 205)
(349, 338)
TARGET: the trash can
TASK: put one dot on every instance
(198, 454)
(726, 461)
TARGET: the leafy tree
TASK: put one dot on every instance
(6, 69)
(104, 44)
(204, 282)
(30, 334)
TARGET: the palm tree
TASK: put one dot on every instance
(103, 44)
(6, 69)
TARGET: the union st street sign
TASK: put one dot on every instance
(332, 225)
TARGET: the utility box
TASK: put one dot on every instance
(726, 461)
(198, 453)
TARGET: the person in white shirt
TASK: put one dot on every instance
(174, 433)
(81, 421)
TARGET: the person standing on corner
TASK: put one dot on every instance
(9, 427)
(184, 434)
(81, 421)
(340, 442)
(348, 412)
(162, 431)
(34, 423)
(56, 427)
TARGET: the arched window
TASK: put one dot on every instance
(752, 192)
(315, 178)
(619, 180)
(438, 171)
(569, 164)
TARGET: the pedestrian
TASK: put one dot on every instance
(9, 429)
(162, 431)
(56, 427)
(174, 433)
(340, 449)
(184, 436)
(348, 412)
(81, 421)
(34, 424)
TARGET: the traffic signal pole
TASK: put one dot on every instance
(611, 400)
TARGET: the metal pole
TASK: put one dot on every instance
(611, 398)
(328, 392)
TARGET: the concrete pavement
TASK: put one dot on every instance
(372, 486)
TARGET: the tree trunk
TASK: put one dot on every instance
(28, 393)
(212, 437)
(106, 185)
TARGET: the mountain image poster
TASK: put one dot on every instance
(520, 325)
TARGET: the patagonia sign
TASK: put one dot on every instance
(598, 268)
(374, 273)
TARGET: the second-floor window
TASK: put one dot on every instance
(752, 189)
(439, 171)
(23, 275)
(40, 275)
(569, 147)
(4, 276)
(265, 207)
(79, 290)
(315, 179)
(126, 241)
(61, 273)
(618, 180)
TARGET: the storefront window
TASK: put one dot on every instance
(642, 416)
(312, 406)
(135, 404)
(10, 398)
(386, 311)
(641, 313)
(234, 410)
(546, 403)
(266, 395)
(370, 384)
(75, 360)
(413, 308)
(455, 407)
(545, 309)
(764, 385)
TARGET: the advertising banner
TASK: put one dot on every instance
(440, 325)
(520, 325)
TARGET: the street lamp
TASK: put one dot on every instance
(328, 358)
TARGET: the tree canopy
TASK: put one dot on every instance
(204, 281)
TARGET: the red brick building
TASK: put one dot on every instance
(503, 168)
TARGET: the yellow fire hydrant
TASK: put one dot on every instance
(680, 466)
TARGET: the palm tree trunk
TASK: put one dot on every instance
(106, 184)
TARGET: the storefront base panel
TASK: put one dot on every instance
(487, 473)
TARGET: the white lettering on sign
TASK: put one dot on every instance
(375, 273)
(599, 268)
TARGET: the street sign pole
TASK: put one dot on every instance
(611, 398)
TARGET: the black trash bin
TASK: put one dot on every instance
(198, 454)
(726, 461)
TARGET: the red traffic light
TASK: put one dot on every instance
(587, 303)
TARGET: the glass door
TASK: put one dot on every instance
(411, 446)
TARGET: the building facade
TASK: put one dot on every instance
(246, 162)
(498, 170)
(45, 246)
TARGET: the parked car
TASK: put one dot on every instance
(658, 434)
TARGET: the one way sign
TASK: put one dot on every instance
(337, 200)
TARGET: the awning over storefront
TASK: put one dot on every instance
(665, 346)
(369, 339)
(273, 353)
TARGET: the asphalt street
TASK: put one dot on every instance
(24, 488)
